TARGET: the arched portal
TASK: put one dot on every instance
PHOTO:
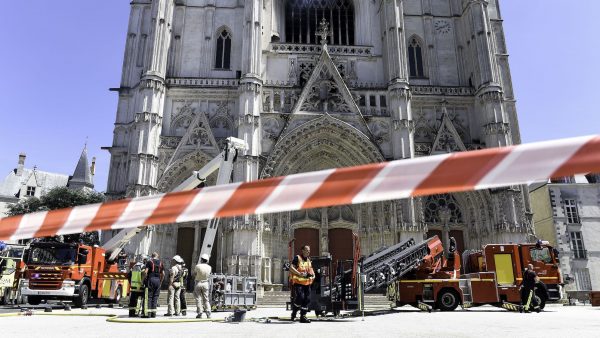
(322, 143)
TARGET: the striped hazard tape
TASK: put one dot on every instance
(481, 169)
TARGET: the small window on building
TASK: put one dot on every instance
(372, 101)
(30, 191)
(382, 101)
(223, 54)
(415, 58)
(577, 245)
(362, 101)
(571, 211)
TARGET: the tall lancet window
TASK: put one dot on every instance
(302, 18)
(223, 54)
(415, 58)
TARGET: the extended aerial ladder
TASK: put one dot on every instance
(222, 162)
(389, 264)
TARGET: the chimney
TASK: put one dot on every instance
(93, 166)
(21, 164)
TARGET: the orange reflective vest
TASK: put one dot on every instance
(303, 266)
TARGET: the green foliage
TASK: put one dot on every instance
(58, 198)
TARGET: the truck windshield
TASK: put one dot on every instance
(541, 255)
(50, 255)
(12, 252)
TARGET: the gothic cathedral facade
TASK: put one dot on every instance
(312, 85)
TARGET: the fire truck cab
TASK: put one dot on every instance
(71, 271)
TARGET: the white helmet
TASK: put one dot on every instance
(205, 257)
(178, 259)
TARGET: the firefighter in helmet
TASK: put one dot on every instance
(139, 296)
(175, 284)
(301, 276)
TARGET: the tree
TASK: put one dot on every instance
(59, 198)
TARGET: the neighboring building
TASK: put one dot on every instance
(397, 80)
(22, 183)
(567, 214)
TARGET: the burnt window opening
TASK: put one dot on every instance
(382, 101)
(223, 54)
(415, 58)
(302, 18)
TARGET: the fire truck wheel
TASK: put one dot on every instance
(82, 298)
(541, 298)
(34, 300)
(447, 300)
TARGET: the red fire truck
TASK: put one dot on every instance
(71, 272)
(492, 275)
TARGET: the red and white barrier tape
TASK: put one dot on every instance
(438, 174)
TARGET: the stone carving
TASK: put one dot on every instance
(307, 137)
(271, 128)
(293, 72)
(497, 128)
(380, 130)
(169, 142)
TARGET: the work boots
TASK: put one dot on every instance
(294, 312)
(303, 319)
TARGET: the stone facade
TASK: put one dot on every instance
(567, 214)
(397, 79)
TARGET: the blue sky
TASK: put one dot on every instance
(59, 58)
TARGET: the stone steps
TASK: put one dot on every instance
(278, 299)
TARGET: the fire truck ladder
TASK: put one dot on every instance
(224, 164)
(386, 265)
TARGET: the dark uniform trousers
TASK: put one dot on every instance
(153, 294)
(301, 298)
(138, 303)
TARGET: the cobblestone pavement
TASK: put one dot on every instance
(580, 321)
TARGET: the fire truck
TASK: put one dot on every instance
(77, 272)
(11, 266)
(425, 274)
(71, 271)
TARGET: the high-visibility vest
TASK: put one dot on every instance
(136, 281)
(303, 266)
(182, 275)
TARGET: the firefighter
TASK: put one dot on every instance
(175, 273)
(154, 275)
(528, 298)
(202, 272)
(138, 295)
(183, 281)
(302, 276)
